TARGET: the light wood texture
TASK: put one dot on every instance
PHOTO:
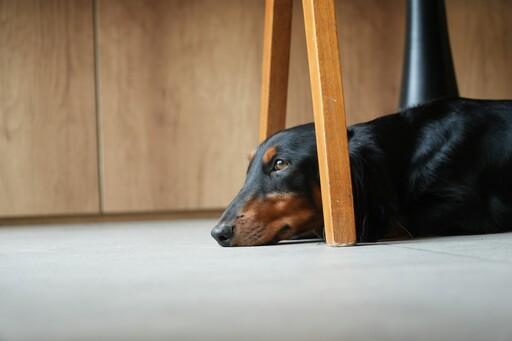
(276, 58)
(481, 40)
(330, 122)
(371, 42)
(47, 111)
(179, 90)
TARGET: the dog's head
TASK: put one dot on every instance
(281, 194)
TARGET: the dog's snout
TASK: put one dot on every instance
(223, 234)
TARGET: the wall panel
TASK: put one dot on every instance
(180, 84)
(481, 39)
(47, 109)
(371, 36)
(371, 43)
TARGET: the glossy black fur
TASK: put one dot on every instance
(442, 168)
(439, 169)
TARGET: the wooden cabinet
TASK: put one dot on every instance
(371, 34)
(481, 39)
(152, 105)
(48, 151)
(179, 90)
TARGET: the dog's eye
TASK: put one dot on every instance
(279, 165)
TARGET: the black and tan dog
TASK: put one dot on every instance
(442, 168)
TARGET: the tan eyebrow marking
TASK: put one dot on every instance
(269, 154)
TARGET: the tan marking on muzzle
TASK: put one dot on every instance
(276, 217)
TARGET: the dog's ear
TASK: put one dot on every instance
(315, 171)
(315, 166)
(317, 175)
(250, 156)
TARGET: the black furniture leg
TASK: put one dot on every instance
(428, 67)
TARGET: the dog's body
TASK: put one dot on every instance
(442, 168)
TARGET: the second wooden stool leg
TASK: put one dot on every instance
(330, 121)
(276, 60)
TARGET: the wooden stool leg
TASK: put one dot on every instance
(330, 122)
(276, 60)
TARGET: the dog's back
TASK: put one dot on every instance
(441, 168)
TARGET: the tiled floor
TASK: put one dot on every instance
(170, 281)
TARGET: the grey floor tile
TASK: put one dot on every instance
(170, 281)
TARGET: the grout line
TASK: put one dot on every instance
(452, 254)
(99, 125)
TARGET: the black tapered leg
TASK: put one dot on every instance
(428, 71)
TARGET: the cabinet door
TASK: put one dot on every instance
(48, 150)
(481, 40)
(180, 87)
(372, 44)
(371, 38)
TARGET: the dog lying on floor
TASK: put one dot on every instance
(442, 168)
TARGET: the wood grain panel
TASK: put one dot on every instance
(371, 43)
(371, 37)
(481, 39)
(47, 111)
(180, 88)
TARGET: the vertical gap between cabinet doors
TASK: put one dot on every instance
(99, 125)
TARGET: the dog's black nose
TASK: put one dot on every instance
(223, 233)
